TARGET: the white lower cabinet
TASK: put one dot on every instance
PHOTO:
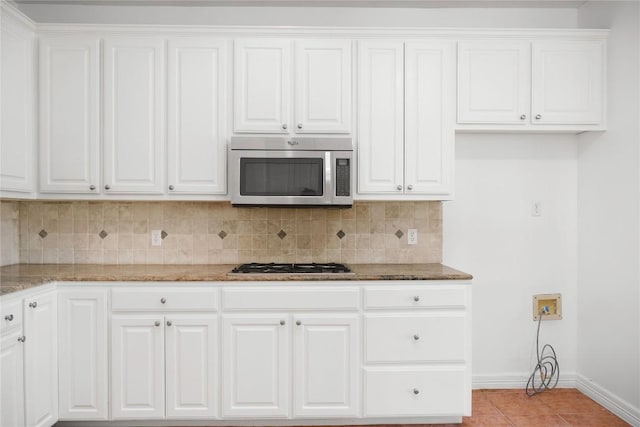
(12, 384)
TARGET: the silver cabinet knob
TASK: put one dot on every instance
(92, 187)
(171, 187)
(298, 322)
(163, 300)
(22, 338)
(299, 125)
(8, 317)
(169, 323)
(399, 187)
(157, 323)
(282, 322)
(416, 298)
(33, 304)
(538, 116)
(416, 337)
(284, 126)
(522, 117)
(107, 187)
(416, 391)
(410, 187)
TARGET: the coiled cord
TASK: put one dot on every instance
(546, 374)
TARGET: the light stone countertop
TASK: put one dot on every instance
(14, 278)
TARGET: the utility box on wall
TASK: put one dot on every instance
(547, 305)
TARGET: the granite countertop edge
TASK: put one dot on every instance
(20, 277)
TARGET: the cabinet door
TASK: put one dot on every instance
(429, 117)
(262, 85)
(197, 82)
(568, 82)
(494, 82)
(16, 106)
(12, 384)
(137, 367)
(191, 366)
(69, 115)
(323, 86)
(255, 379)
(380, 117)
(83, 369)
(326, 371)
(134, 115)
(41, 359)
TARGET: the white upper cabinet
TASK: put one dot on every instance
(16, 105)
(69, 115)
(323, 86)
(494, 81)
(380, 117)
(568, 82)
(547, 84)
(265, 89)
(262, 85)
(196, 124)
(134, 128)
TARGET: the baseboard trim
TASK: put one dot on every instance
(567, 380)
(618, 406)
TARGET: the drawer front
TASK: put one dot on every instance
(438, 391)
(318, 298)
(10, 315)
(141, 299)
(415, 297)
(425, 337)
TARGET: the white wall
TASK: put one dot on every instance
(490, 232)
(609, 220)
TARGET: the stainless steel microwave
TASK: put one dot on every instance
(290, 171)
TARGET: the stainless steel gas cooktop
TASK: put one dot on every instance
(317, 268)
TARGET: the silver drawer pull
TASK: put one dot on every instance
(416, 391)
(33, 304)
(169, 323)
(8, 317)
(157, 323)
(282, 322)
(298, 322)
(22, 338)
(416, 298)
(416, 337)
(163, 300)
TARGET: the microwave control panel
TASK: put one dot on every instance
(343, 178)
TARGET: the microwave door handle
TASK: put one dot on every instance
(328, 187)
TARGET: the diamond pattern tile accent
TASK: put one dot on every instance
(43, 233)
(341, 234)
(163, 235)
(103, 234)
(399, 234)
(222, 234)
(281, 234)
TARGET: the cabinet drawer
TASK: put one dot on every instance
(437, 391)
(424, 337)
(415, 297)
(139, 299)
(319, 298)
(10, 315)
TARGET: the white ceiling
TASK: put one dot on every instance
(327, 3)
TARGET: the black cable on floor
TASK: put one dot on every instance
(546, 374)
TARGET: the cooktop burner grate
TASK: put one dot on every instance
(330, 267)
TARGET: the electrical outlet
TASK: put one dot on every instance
(412, 236)
(547, 305)
(536, 208)
(156, 237)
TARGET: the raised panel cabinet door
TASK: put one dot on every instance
(134, 130)
(494, 82)
(429, 117)
(196, 125)
(12, 384)
(83, 362)
(191, 380)
(568, 82)
(323, 86)
(41, 359)
(137, 367)
(380, 117)
(69, 115)
(262, 85)
(326, 375)
(255, 366)
(16, 106)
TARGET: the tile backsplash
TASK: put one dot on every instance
(105, 232)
